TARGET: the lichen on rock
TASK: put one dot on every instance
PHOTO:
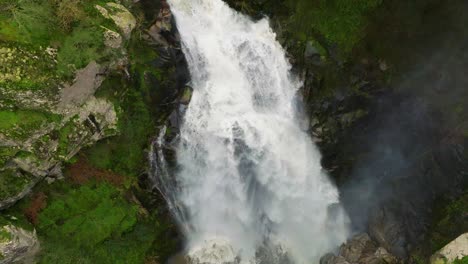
(122, 18)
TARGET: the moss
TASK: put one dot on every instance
(27, 21)
(449, 221)
(74, 27)
(81, 47)
(464, 260)
(11, 183)
(94, 223)
(23, 123)
(125, 154)
(87, 216)
(64, 136)
(26, 67)
(6, 153)
(342, 22)
(5, 236)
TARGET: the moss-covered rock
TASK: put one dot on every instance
(17, 245)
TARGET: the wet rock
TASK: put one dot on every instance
(18, 245)
(354, 249)
(312, 54)
(360, 249)
(161, 30)
(456, 249)
(186, 96)
(332, 259)
(388, 231)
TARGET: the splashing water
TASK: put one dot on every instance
(249, 177)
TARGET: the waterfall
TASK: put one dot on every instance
(249, 178)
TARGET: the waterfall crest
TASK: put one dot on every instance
(249, 179)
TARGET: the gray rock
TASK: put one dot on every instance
(456, 249)
(18, 245)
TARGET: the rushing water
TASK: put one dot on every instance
(250, 183)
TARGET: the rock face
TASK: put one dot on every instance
(121, 17)
(360, 250)
(18, 245)
(456, 249)
(50, 124)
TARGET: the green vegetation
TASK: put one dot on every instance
(342, 22)
(11, 183)
(464, 260)
(6, 153)
(23, 123)
(87, 216)
(72, 27)
(124, 154)
(81, 47)
(4, 235)
(94, 223)
(64, 136)
(449, 222)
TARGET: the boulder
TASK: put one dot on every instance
(18, 245)
(122, 18)
(456, 249)
(360, 249)
(112, 39)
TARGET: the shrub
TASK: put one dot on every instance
(68, 12)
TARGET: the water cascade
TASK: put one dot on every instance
(249, 179)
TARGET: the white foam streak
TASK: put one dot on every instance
(248, 172)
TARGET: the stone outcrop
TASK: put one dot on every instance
(18, 245)
(360, 250)
(122, 18)
(70, 116)
(456, 249)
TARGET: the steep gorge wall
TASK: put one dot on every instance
(384, 89)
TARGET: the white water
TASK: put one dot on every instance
(249, 175)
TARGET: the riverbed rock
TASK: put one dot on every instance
(457, 249)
